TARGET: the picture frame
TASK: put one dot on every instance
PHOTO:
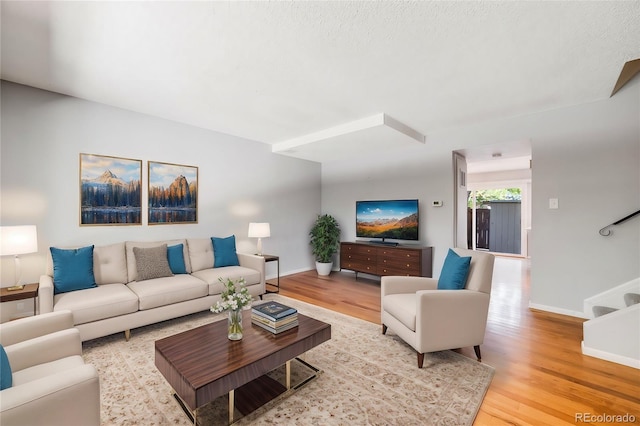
(172, 194)
(110, 190)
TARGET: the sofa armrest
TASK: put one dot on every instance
(71, 397)
(45, 294)
(253, 261)
(31, 327)
(401, 284)
(43, 349)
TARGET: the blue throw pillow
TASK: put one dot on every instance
(6, 378)
(175, 255)
(224, 251)
(72, 269)
(454, 272)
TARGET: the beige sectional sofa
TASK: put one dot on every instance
(120, 302)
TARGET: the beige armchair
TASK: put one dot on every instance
(432, 320)
(51, 383)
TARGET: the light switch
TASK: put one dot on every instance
(553, 203)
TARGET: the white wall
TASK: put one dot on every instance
(587, 156)
(239, 181)
(595, 174)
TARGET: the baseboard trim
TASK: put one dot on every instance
(608, 356)
(556, 310)
(295, 271)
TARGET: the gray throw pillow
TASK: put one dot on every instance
(152, 262)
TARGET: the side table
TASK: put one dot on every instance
(30, 291)
(272, 258)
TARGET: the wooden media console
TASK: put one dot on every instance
(378, 259)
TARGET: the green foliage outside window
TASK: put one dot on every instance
(484, 196)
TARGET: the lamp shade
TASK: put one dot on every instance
(16, 240)
(259, 230)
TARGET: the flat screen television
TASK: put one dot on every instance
(387, 219)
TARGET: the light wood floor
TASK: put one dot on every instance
(541, 376)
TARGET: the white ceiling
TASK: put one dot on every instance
(278, 72)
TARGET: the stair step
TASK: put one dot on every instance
(599, 311)
(631, 298)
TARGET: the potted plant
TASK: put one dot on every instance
(325, 238)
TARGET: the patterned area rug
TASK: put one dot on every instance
(367, 379)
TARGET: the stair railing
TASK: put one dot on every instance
(606, 231)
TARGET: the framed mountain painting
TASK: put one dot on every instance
(110, 190)
(173, 193)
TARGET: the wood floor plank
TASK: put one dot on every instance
(541, 377)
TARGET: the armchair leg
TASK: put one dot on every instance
(476, 348)
(384, 329)
(420, 359)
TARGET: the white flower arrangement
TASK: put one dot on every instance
(232, 298)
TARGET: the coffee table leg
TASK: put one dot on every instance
(231, 405)
(288, 374)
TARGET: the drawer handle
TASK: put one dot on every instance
(408, 265)
(408, 255)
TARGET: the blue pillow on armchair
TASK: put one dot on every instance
(454, 272)
(72, 269)
(224, 252)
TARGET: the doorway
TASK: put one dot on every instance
(494, 220)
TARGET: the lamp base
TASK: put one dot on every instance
(15, 287)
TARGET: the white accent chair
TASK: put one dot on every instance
(51, 383)
(433, 320)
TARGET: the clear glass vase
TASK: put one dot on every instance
(235, 324)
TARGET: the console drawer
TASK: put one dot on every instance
(370, 268)
(411, 270)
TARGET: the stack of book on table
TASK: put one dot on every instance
(274, 316)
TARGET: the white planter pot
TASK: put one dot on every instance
(324, 268)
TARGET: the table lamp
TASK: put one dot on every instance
(259, 230)
(15, 240)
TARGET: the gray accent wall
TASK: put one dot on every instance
(240, 180)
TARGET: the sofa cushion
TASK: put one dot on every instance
(98, 303)
(152, 262)
(110, 264)
(175, 254)
(167, 290)
(6, 378)
(402, 307)
(212, 275)
(132, 272)
(224, 252)
(200, 253)
(72, 269)
(454, 272)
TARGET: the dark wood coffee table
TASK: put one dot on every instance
(203, 364)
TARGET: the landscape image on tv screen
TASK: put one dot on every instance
(395, 219)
